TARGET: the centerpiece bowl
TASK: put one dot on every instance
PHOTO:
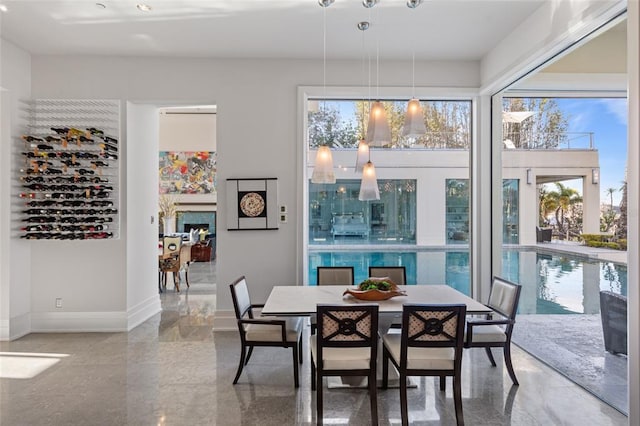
(373, 289)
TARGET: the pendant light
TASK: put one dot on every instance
(323, 166)
(369, 185)
(362, 156)
(414, 126)
(378, 131)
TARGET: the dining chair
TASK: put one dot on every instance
(495, 330)
(170, 262)
(429, 344)
(346, 345)
(331, 275)
(397, 274)
(335, 275)
(254, 331)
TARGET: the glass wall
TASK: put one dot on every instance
(510, 215)
(337, 215)
(457, 208)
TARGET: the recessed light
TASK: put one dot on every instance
(101, 5)
(143, 7)
(3, 8)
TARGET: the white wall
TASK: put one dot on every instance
(265, 145)
(15, 255)
(141, 216)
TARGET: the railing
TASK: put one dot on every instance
(556, 141)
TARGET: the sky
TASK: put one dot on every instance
(607, 119)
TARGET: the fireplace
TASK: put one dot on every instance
(189, 226)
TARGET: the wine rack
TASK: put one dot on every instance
(69, 170)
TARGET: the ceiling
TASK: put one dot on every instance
(437, 30)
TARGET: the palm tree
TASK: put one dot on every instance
(621, 228)
(608, 217)
(546, 206)
(564, 198)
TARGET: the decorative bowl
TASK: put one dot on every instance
(367, 290)
(373, 295)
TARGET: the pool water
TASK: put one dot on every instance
(552, 283)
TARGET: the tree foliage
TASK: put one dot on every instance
(448, 125)
(547, 128)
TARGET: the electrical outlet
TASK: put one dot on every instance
(58, 302)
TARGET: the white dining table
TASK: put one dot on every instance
(303, 300)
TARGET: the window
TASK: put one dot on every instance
(336, 215)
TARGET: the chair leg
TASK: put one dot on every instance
(240, 364)
(313, 374)
(385, 368)
(319, 406)
(295, 366)
(186, 276)
(373, 397)
(246, 361)
(490, 355)
(509, 365)
(404, 404)
(176, 281)
(300, 349)
(443, 383)
(457, 400)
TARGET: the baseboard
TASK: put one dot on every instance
(225, 321)
(4, 330)
(143, 311)
(19, 326)
(78, 322)
(15, 327)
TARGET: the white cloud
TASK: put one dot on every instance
(617, 107)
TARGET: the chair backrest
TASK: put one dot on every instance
(240, 297)
(171, 245)
(343, 326)
(185, 255)
(335, 275)
(504, 297)
(425, 326)
(397, 274)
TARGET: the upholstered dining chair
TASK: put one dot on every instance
(346, 345)
(397, 274)
(331, 275)
(335, 275)
(495, 331)
(254, 331)
(172, 249)
(429, 344)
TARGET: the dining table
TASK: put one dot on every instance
(303, 301)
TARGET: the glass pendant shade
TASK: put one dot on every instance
(363, 155)
(369, 186)
(378, 132)
(414, 120)
(323, 167)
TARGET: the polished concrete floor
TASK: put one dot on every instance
(174, 370)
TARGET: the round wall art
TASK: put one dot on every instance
(252, 204)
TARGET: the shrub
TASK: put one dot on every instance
(594, 243)
(613, 246)
(622, 243)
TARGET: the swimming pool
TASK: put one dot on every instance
(552, 283)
